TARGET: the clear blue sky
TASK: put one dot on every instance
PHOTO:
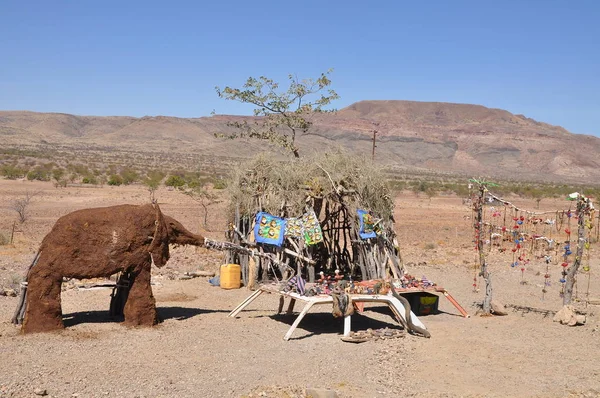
(540, 58)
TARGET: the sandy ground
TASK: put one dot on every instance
(199, 352)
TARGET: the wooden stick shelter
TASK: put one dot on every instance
(334, 187)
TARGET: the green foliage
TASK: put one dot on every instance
(129, 176)
(57, 174)
(284, 113)
(78, 169)
(152, 181)
(115, 180)
(89, 180)
(220, 184)
(39, 173)
(12, 172)
(175, 181)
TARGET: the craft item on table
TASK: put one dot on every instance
(311, 228)
(338, 276)
(342, 303)
(324, 281)
(426, 282)
(366, 224)
(269, 229)
(293, 227)
(296, 283)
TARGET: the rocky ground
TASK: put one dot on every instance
(197, 351)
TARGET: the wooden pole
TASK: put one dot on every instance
(484, 272)
(374, 144)
(12, 233)
(582, 209)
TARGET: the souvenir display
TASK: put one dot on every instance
(269, 229)
(366, 224)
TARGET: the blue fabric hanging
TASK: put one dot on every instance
(367, 224)
(269, 229)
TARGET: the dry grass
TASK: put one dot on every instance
(283, 188)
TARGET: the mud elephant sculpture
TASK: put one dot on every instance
(100, 242)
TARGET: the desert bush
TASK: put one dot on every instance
(115, 180)
(3, 239)
(220, 184)
(89, 179)
(12, 172)
(129, 176)
(175, 181)
(39, 173)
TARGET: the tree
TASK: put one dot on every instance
(284, 115)
(57, 175)
(21, 205)
(199, 193)
(152, 182)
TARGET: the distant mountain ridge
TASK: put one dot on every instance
(444, 137)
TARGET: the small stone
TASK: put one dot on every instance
(498, 308)
(40, 391)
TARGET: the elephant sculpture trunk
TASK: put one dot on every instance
(101, 242)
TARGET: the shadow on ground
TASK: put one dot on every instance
(164, 313)
(320, 323)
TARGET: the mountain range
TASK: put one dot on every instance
(428, 137)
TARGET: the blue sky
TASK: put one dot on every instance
(540, 58)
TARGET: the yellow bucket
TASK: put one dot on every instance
(231, 275)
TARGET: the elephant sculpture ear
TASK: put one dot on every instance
(159, 248)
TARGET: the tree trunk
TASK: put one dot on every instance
(572, 271)
(487, 301)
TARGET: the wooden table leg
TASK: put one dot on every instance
(290, 309)
(245, 303)
(280, 308)
(298, 319)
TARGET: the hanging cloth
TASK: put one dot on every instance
(269, 229)
(366, 224)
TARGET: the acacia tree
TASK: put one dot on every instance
(284, 114)
(202, 196)
(21, 205)
(152, 182)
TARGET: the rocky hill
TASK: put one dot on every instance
(440, 137)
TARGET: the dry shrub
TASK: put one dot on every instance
(282, 188)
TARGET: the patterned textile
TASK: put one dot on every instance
(269, 229)
(307, 227)
(293, 227)
(312, 229)
(296, 282)
(367, 224)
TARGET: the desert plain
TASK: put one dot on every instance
(197, 351)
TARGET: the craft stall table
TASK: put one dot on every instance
(394, 304)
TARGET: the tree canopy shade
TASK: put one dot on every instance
(284, 114)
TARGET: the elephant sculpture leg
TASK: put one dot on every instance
(140, 308)
(43, 312)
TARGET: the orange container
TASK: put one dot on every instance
(231, 276)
